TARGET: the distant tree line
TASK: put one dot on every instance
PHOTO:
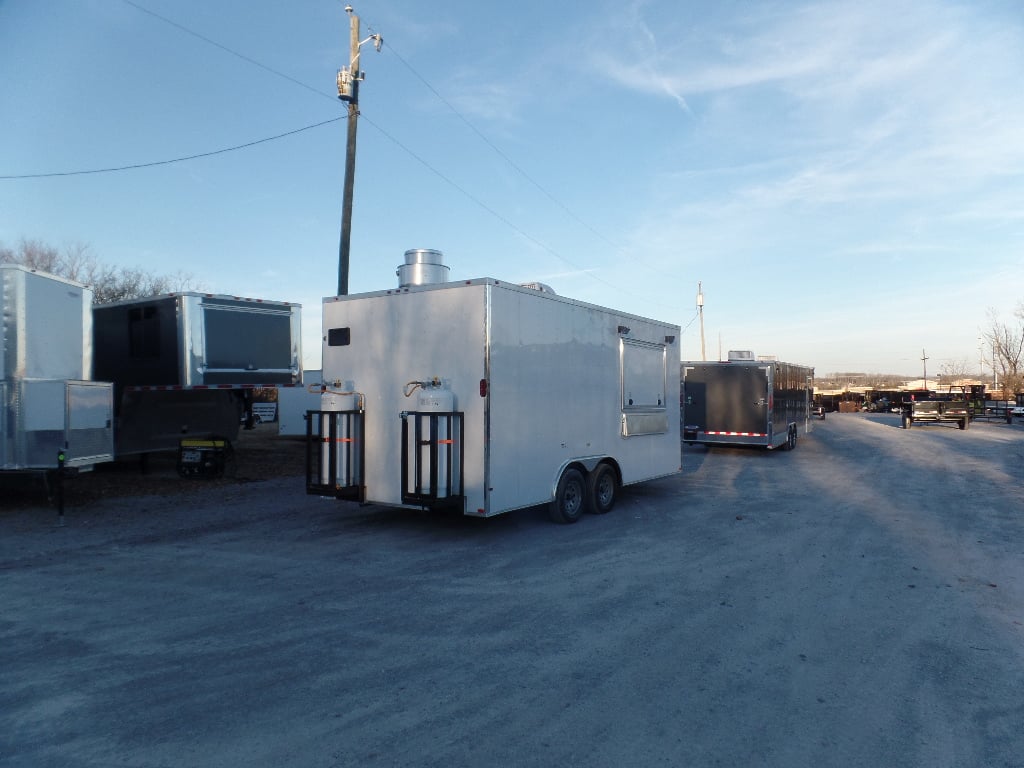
(108, 283)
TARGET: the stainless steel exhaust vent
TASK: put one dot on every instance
(423, 266)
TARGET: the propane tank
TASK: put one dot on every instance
(435, 397)
(335, 399)
(339, 401)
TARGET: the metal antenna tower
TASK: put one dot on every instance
(700, 311)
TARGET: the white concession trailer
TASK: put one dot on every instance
(484, 397)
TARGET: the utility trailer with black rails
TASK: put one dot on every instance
(951, 407)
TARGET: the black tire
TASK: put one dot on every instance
(791, 440)
(962, 424)
(570, 497)
(602, 489)
(907, 421)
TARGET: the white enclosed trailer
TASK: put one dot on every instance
(51, 414)
(485, 397)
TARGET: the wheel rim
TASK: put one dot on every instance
(573, 499)
(605, 490)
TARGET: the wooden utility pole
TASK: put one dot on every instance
(348, 90)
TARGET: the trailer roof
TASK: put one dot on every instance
(526, 289)
(41, 273)
(745, 363)
(198, 294)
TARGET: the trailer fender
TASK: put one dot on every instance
(585, 464)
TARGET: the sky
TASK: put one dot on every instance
(844, 180)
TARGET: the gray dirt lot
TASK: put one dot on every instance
(857, 602)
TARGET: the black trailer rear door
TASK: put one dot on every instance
(735, 399)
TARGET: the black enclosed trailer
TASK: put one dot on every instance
(185, 365)
(744, 401)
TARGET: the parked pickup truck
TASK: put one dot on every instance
(952, 407)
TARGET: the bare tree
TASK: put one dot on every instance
(108, 283)
(954, 372)
(35, 255)
(1007, 343)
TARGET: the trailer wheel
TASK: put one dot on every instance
(570, 495)
(791, 440)
(907, 421)
(601, 489)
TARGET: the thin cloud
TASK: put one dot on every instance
(883, 102)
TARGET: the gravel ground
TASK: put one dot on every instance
(856, 602)
(258, 454)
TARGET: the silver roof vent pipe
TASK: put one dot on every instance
(423, 266)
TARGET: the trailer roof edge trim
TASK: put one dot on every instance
(505, 285)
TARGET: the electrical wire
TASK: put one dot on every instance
(173, 160)
(498, 151)
(565, 209)
(224, 48)
(548, 249)
(683, 329)
(408, 151)
(384, 133)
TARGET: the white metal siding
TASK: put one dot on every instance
(555, 392)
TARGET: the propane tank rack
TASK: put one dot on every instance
(335, 454)
(432, 459)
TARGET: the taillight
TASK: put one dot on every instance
(483, 387)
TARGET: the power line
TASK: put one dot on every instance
(173, 160)
(433, 90)
(384, 133)
(501, 154)
(484, 205)
(391, 138)
(565, 209)
(224, 48)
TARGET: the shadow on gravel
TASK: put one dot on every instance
(348, 517)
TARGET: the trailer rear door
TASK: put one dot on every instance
(727, 401)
